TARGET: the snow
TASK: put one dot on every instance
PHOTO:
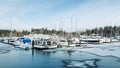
(103, 50)
(24, 46)
(107, 49)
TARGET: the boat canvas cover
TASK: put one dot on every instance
(26, 40)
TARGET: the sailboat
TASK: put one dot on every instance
(9, 39)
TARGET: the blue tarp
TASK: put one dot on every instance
(26, 40)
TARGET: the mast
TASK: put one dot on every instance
(55, 29)
(71, 26)
(116, 30)
(10, 28)
(76, 27)
(61, 29)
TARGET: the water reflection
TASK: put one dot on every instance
(68, 52)
(32, 53)
(47, 53)
(43, 52)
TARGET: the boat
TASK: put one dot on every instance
(23, 43)
(114, 39)
(91, 41)
(62, 42)
(75, 42)
(44, 42)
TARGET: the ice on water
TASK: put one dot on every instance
(108, 49)
(103, 50)
(4, 49)
(88, 63)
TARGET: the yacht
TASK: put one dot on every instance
(44, 44)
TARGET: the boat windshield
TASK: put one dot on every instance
(55, 43)
(62, 41)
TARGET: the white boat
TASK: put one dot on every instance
(17, 43)
(63, 42)
(25, 46)
(24, 43)
(74, 42)
(44, 44)
(91, 40)
(114, 39)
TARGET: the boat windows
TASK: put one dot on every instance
(48, 42)
(41, 39)
(55, 43)
(62, 41)
(45, 39)
(38, 42)
(44, 43)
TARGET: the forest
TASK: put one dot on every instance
(107, 31)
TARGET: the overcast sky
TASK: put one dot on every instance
(27, 14)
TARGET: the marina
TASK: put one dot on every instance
(59, 34)
(95, 56)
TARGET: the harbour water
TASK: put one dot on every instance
(11, 57)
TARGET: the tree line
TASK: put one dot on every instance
(106, 31)
(6, 33)
(48, 31)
